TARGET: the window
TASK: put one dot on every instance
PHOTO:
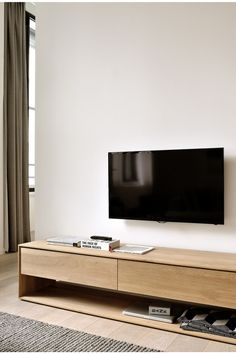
(30, 32)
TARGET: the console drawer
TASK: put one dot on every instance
(203, 286)
(74, 268)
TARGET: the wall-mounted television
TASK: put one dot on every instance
(184, 185)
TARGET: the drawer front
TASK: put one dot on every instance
(203, 286)
(80, 269)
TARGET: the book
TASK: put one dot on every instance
(65, 241)
(141, 310)
(100, 244)
(160, 308)
(139, 249)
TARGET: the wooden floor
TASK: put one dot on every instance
(166, 341)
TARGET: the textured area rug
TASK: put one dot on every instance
(19, 334)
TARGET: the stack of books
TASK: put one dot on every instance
(163, 312)
(100, 244)
(73, 241)
(76, 241)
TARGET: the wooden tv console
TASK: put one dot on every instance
(104, 283)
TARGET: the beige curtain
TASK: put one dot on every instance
(17, 226)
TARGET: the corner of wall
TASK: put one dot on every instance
(1, 122)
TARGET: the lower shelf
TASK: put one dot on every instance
(107, 305)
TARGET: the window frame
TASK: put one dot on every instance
(28, 16)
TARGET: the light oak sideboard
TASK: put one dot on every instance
(104, 283)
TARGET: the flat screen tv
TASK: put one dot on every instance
(167, 185)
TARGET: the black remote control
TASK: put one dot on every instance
(102, 238)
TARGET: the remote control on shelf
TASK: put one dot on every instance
(102, 238)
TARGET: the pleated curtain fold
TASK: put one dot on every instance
(16, 198)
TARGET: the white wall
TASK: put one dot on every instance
(117, 77)
(1, 121)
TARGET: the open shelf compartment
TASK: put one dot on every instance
(104, 304)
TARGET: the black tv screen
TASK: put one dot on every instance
(167, 185)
